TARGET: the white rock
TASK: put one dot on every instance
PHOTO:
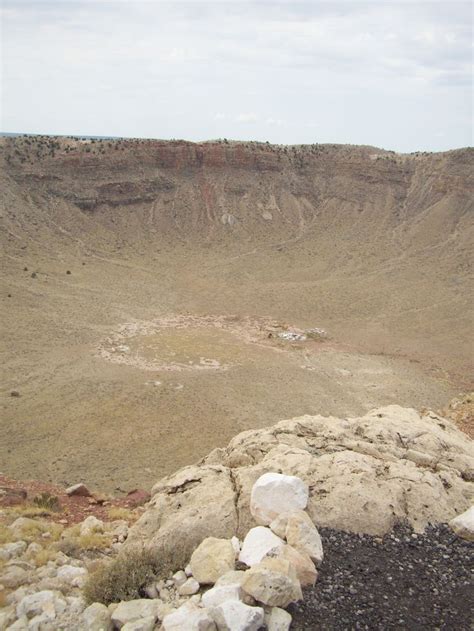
(302, 534)
(220, 593)
(236, 545)
(144, 624)
(179, 578)
(13, 576)
(19, 625)
(463, 525)
(45, 602)
(97, 618)
(274, 493)
(133, 610)
(277, 619)
(190, 587)
(91, 525)
(235, 579)
(188, 571)
(11, 550)
(7, 617)
(232, 615)
(72, 574)
(306, 572)
(257, 544)
(78, 489)
(75, 605)
(189, 617)
(273, 582)
(212, 558)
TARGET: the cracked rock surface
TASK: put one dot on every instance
(365, 474)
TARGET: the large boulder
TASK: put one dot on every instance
(257, 544)
(274, 494)
(188, 506)
(273, 582)
(211, 559)
(364, 474)
(233, 615)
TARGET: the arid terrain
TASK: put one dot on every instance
(149, 288)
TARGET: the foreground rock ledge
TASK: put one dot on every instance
(364, 475)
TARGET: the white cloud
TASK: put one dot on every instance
(248, 117)
(383, 73)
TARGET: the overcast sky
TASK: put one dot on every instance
(392, 74)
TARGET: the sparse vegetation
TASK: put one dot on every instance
(47, 501)
(124, 578)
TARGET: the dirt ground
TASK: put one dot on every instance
(375, 252)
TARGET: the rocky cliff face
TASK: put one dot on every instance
(364, 475)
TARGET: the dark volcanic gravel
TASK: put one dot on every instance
(403, 581)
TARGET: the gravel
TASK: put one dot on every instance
(403, 581)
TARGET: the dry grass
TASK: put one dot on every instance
(75, 546)
(118, 512)
(124, 578)
(6, 535)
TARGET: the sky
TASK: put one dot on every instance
(396, 75)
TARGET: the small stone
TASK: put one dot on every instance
(97, 618)
(12, 550)
(232, 615)
(257, 544)
(236, 545)
(277, 619)
(188, 571)
(179, 578)
(274, 493)
(220, 593)
(190, 587)
(463, 525)
(212, 558)
(144, 624)
(91, 525)
(133, 610)
(189, 617)
(47, 603)
(78, 489)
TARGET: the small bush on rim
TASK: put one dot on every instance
(124, 578)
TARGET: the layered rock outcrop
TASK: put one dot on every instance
(364, 475)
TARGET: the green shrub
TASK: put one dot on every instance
(124, 578)
(47, 501)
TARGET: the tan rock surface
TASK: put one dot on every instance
(361, 473)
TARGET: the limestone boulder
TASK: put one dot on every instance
(302, 534)
(233, 615)
(364, 474)
(188, 506)
(133, 610)
(144, 624)
(277, 619)
(220, 594)
(273, 582)
(274, 493)
(96, 618)
(257, 544)
(305, 569)
(211, 559)
(189, 587)
(189, 617)
(463, 525)
(46, 603)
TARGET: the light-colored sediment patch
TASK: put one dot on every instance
(175, 343)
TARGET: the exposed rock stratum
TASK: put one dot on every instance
(364, 474)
